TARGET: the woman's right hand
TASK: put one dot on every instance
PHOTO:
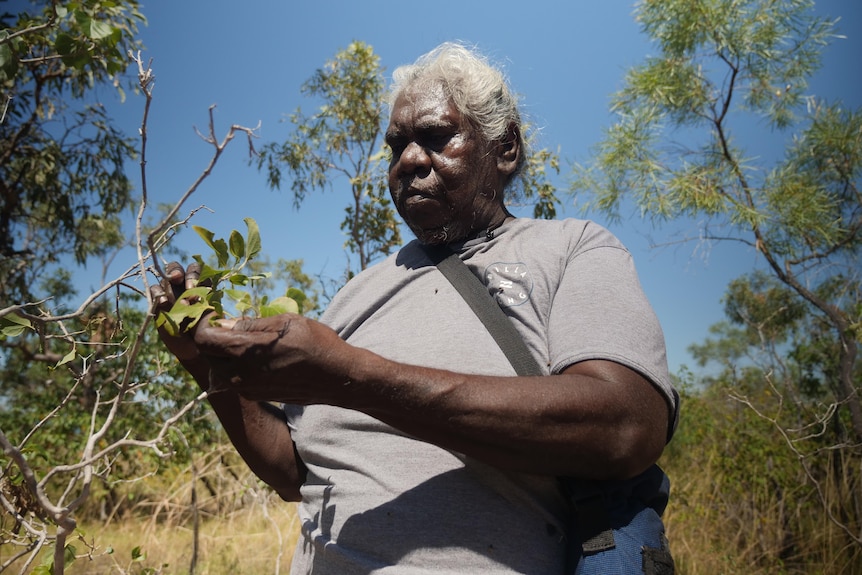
(164, 295)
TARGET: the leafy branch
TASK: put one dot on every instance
(233, 257)
(44, 502)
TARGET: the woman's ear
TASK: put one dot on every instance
(509, 151)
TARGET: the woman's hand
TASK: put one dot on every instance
(164, 295)
(287, 357)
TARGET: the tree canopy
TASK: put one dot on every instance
(341, 143)
(62, 161)
(694, 139)
(677, 150)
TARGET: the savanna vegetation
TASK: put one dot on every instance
(111, 460)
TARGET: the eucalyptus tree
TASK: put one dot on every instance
(695, 139)
(63, 182)
(342, 144)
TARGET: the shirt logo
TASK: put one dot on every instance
(509, 283)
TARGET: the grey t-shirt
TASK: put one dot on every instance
(379, 501)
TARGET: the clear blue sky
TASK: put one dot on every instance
(565, 57)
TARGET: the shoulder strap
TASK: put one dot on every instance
(592, 521)
(486, 309)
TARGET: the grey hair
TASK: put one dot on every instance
(478, 90)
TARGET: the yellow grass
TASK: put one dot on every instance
(251, 541)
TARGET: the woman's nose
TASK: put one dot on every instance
(414, 159)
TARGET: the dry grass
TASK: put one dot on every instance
(251, 541)
(741, 503)
(242, 526)
(727, 515)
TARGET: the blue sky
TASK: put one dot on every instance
(564, 57)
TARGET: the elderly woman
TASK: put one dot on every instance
(406, 436)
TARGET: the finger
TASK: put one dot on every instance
(159, 297)
(167, 290)
(233, 343)
(193, 273)
(173, 280)
(226, 323)
(174, 272)
(278, 324)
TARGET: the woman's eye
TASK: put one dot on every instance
(437, 141)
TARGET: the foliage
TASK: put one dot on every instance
(207, 296)
(90, 397)
(739, 503)
(534, 184)
(244, 526)
(62, 178)
(683, 148)
(342, 140)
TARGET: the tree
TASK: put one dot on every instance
(723, 61)
(343, 139)
(777, 474)
(679, 149)
(62, 163)
(88, 395)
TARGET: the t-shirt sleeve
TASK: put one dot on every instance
(601, 312)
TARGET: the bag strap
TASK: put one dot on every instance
(486, 309)
(594, 526)
(594, 529)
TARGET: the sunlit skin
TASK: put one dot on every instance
(446, 180)
(597, 419)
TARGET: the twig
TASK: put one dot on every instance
(219, 148)
(5, 108)
(802, 461)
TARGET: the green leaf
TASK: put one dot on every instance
(12, 330)
(66, 358)
(239, 279)
(138, 554)
(70, 553)
(253, 247)
(206, 235)
(238, 295)
(237, 244)
(278, 306)
(94, 28)
(242, 300)
(166, 322)
(201, 292)
(260, 276)
(183, 316)
(210, 273)
(8, 61)
(219, 246)
(12, 325)
(297, 295)
(222, 252)
(64, 44)
(192, 314)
